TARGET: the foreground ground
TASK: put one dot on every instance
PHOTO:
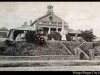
(53, 68)
(50, 65)
(54, 65)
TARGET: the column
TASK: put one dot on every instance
(56, 29)
(76, 36)
(77, 53)
(49, 31)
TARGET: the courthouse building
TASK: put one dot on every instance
(50, 22)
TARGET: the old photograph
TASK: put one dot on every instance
(50, 36)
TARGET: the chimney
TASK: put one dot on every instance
(30, 22)
(25, 23)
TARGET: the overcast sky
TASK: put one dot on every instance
(78, 15)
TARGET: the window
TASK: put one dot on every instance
(50, 18)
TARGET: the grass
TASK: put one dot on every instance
(72, 45)
(31, 49)
(25, 64)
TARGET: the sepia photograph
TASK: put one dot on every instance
(50, 36)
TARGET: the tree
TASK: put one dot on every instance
(88, 35)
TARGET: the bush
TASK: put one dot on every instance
(30, 36)
(40, 41)
(55, 36)
(14, 50)
(10, 43)
(35, 37)
(68, 37)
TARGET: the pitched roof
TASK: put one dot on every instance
(40, 18)
(45, 18)
(76, 32)
(24, 27)
(69, 29)
(4, 29)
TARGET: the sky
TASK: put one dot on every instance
(78, 15)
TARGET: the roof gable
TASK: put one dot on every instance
(55, 18)
(46, 18)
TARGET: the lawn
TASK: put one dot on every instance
(31, 49)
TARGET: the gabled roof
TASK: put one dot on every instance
(59, 18)
(45, 18)
(24, 27)
(69, 30)
(40, 18)
(4, 29)
(76, 32)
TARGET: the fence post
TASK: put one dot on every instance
(92, 53)
(77, 53)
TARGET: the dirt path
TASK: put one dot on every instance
(8, 61)
(54, 68)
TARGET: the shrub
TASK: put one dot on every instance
(10, 43)
(68, 37)
(55, 36)
(30, 36)
(35, 37)
(40, 41)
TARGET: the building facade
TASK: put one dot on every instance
(50, 22)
